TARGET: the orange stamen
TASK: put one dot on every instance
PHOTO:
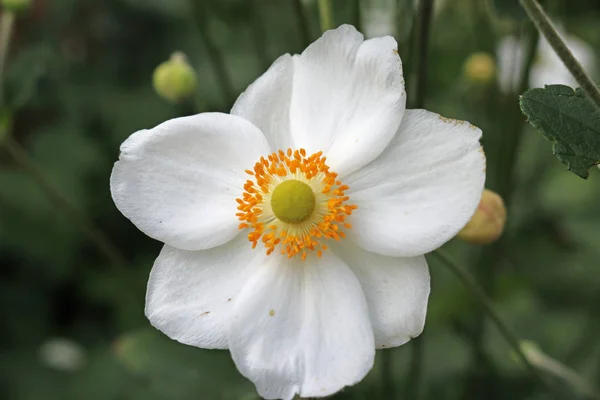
(327, 221)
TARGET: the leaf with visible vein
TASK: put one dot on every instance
(567, 118)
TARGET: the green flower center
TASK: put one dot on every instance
(293, 201)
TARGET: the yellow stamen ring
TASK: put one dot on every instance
(294, 202)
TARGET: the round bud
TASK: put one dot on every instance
(480, 68)
(487, 224)
(175, 79)
(15, 5)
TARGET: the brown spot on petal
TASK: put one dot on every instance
(205, 313)
(272, 312)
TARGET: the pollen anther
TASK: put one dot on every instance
(293, 202)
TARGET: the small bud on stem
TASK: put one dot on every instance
(487, 224)
(175, 79)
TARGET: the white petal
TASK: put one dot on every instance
(396, 289)
(348, 97)
(191, 293)
(302, 328)
(423, 188)
(266, 103)
(178, 182)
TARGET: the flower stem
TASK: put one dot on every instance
(422, 49)
(87, 227)
(7, 20)
(544, 25)
(471, 284)
(387, 377)
(501, 156)
(259, 35)
(325, 15)
(557, 369)
(214, 55)
(21, 158)
(302, 22)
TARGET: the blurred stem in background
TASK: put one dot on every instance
(7, 20)
(471, 284)
(544, 25)
(21, 157)
(325, 15)
(502, 146)
(300, 15)
(97, 237)
(417, 100)
(200, 14)
(259, 34)
(546, 363)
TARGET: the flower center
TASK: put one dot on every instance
(294, 203)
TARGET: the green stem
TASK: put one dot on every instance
(544, 25)
(325, 15)
(387, 377)
(422, 50)
(7, 21)
(415, 373)
(425, 11)
(502, 155)
(214, 55)
(87, 227)
(469, 282)
(259, 36)
(553, 367)
(302, 22)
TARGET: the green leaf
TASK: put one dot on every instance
(567, 118)
(176, 371)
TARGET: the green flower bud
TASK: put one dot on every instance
(175, 79)
(487, 224)
(480, 68)
(15, 5)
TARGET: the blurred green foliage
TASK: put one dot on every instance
(79, 81)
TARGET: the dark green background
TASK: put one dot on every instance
(79, 79)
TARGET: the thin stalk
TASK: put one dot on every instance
(559, 370)
(502, 156)
(587, 341)
(7, 21)
(259, 35)
(95, 235)
(325, 15)
(425, 11)
(214, 55)
(387, 377)
(422, 51)
(471, 284)
(22, 159)
(302, 22)
(544, 25)
(356, 15)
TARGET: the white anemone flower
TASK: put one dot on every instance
(295, 227)
(547, 68)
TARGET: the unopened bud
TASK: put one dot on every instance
(175, 79)
(480, 68)
(487, 224)
(15, 5)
